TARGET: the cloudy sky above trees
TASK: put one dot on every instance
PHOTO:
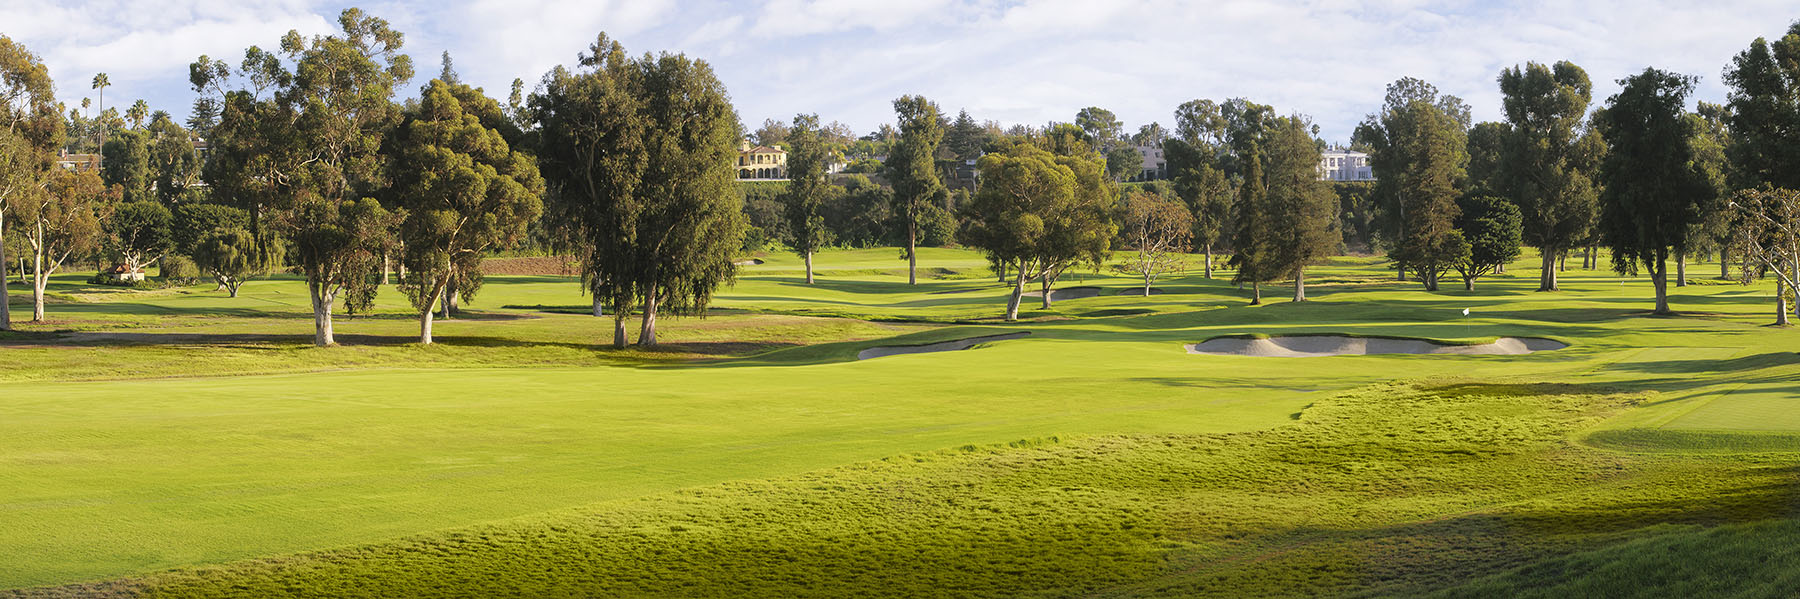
(1011, 61)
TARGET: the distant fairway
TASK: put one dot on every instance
(142, 431)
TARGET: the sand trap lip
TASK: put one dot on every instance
(1313, 346)
(1067, 293)
(959, 344)
(750, 262)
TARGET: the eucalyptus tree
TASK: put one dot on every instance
(174, 165)
(912, 169)
(1766, 232)
(1158, 231)
(1654, 188)
(1040, 214)
(128, 164)
(229, 255)
(1764, 103)
(466, 192)
(31, 128)
(1196, 158)
(60, 223)
(807, 191)
(1419, 146)
(1284, 211)
(1712, 143)
(1490, 227)
(138, 233)
(311, 152)
(641, 157)
(1551, 157)
(1101, 126)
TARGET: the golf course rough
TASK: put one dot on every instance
(956, 345)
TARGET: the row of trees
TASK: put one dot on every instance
(627, 162)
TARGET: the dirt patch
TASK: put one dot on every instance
(1312, 346)
(957, 345)
(1067, 293)
(534, 265)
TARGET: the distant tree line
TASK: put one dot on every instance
(626, 163)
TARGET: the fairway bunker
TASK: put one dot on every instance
(1067, 293)
(957, 345)
(749, 262)
(1312, 346)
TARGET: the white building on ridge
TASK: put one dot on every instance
(1338, 164)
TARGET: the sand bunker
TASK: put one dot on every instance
(1139, 291)
(959, 344)
(750, 262)
(1311, 346)
(1066, 293)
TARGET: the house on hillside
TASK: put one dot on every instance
(1338, 164)
(79, 163)
(761, 162)
(1156, 166)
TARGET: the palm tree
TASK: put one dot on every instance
(101, 83)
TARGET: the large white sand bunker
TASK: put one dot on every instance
(959, 344)
(1067, 293)
(1312, 346)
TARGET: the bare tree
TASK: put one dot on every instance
(1160, 232)
(1767, 237)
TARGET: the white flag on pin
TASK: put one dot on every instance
(1465, 311)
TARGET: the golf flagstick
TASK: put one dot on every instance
(1465, 322)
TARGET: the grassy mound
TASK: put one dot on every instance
(1394, 489)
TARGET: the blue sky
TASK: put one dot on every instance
(1010, 61)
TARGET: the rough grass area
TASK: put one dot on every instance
(1392, 490)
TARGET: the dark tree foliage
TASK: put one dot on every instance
(1764, 115)
(912, 169)
(1491, 228)
(1418, 145)
(808, 190)
(1654, 188)
(640, 154)
(1550, 159)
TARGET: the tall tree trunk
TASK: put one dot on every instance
(1659, 277)
(322, 299)
(38, 281)
(1547, 278)
(912, 250)
(809, 275)
(1045, 280)
(425, 326)
(599, 306)
(385, 267)
(1724, 263)
(1781, 308)
(619, 338)
(1209, 264)
(1499, 269)
(1255, 292)
(1468, 282)
(1300, 284)
(1018, 292)
(5, 305)
(647, 329)
(1681, 268)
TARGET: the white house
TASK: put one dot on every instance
(1344, 165)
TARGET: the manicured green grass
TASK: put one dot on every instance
(141, 431)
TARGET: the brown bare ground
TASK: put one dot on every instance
(534, 265)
